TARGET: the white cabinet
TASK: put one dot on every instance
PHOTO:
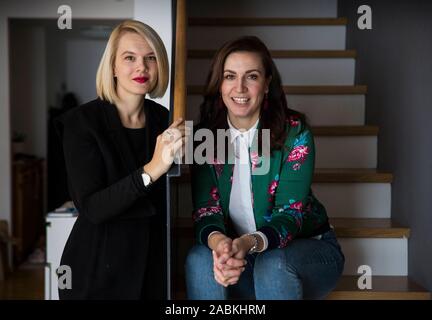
(58, 228)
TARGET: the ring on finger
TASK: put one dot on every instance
(169, 133)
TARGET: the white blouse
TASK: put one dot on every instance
(240, 205)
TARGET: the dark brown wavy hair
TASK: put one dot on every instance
(275, 117)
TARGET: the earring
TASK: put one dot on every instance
(265, 103)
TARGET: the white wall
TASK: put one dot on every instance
(73, 58)
(28, 87)
(82, 60)
(96, 9)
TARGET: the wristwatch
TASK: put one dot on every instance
(146, 178)
(255, 245)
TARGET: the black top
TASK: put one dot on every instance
(139, 144)
(112, 247)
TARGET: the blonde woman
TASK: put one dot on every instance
(117, 149)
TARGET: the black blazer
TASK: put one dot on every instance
(121, 222)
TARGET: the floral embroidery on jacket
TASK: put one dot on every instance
(300, 151)
(272, 188)
(294, 121)
(268, 215)
(254, 159)
(296, 205)
(212, 208)
(295, 210)
(206, 211)
(284, 238)
(214, 193)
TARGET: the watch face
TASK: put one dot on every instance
(146, 178)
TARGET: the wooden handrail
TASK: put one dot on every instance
(180, 89)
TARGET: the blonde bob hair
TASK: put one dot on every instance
(106, 85)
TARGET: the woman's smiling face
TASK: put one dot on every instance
(244, 86)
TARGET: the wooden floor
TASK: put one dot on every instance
(25, 283)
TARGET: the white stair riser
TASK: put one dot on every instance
(320, 110)
(275, 37)
(294, 71)
(259, 8)
(350, 200)
(330, 110)
(355, 200)
(346, 152)
(385, 256)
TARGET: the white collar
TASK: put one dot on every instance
(249, 134)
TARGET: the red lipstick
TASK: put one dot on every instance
(141, 79)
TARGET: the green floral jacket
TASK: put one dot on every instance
(283, 203)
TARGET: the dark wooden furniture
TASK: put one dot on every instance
(28, 205)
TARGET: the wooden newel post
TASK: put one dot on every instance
(179, 111)
(180, 90)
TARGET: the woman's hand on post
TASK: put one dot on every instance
(168, 143)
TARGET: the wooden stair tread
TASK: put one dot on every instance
(351, 175)
(344, 228)
(325, 176)
(368, 228)
(297, 90)
(383, 288)
(245, 21)
(345, 130)
(208, 54)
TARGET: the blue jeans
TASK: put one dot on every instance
(305, 269)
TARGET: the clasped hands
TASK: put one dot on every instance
(229, 257)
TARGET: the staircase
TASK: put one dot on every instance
(307, 42)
